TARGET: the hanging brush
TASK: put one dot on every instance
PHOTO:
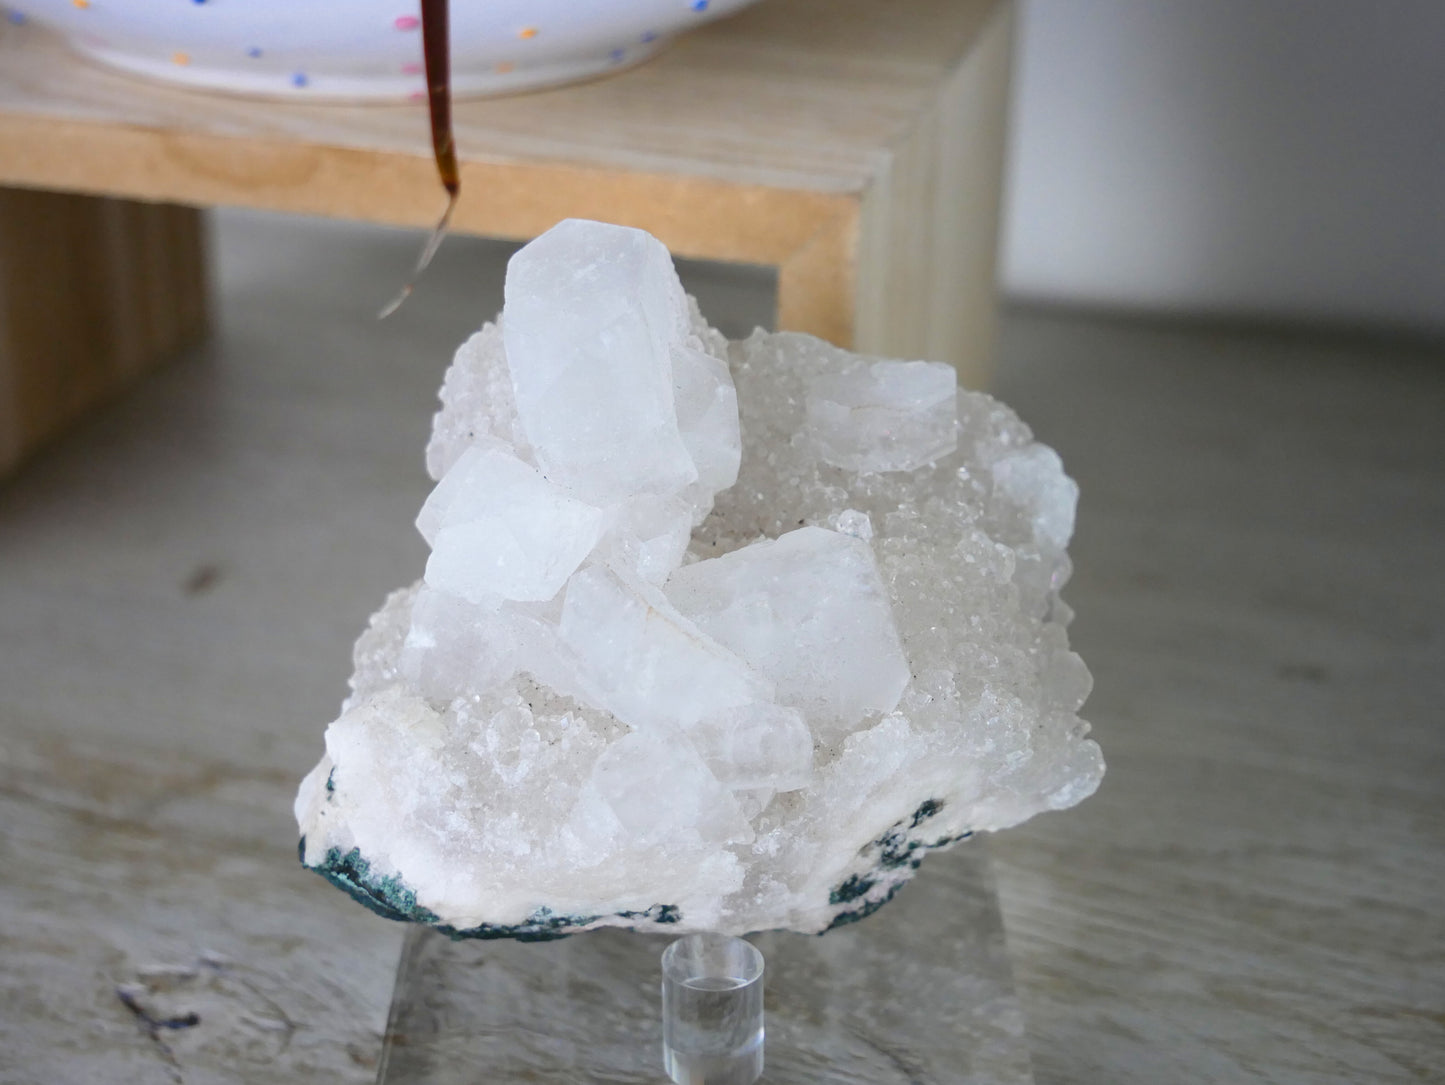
(436, 51)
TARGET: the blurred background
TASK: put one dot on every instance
(1281, 159)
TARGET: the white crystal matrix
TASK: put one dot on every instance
(669, 672)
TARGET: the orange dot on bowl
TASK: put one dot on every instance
(180, 58)
(82, 4)
(504, 67)
(527, 32)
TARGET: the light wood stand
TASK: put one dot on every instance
(855, 146)
(93, 293)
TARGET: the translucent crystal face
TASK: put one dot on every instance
(883, 416)
(810, 611)
(499, 530)
(671, 671)
(593, 320)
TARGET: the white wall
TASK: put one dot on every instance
(1263, 157)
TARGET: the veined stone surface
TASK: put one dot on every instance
(673, 670)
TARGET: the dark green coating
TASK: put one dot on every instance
(895, 849)
(390, 897)
(842, 919)
(926, 810)
(856, 886)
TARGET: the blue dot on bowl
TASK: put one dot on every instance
(699, 5)
(254, 51)
(299, 79)
(16, 17)
(617, 55)
(647, 36)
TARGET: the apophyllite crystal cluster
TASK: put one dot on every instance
(671, 668)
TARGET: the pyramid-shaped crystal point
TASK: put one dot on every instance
(643, 661)
(499, 530)
(592, 319)
(670, 671)
(810, 611)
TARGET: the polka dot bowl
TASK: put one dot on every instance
(363, 49)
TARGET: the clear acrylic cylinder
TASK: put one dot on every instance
(712, 1010)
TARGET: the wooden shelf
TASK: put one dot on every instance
(855, 145)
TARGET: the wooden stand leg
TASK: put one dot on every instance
(817, 284)
(94, 292)
(910, 270)
(928, 232)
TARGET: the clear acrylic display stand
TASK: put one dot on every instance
(712, 1010)
(920, 993)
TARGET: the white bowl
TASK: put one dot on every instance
(364, 49)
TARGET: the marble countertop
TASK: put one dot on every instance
(1253, 895)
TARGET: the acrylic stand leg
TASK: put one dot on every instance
(919, 994)
(712, 1011)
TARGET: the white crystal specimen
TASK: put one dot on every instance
(707, 418)
(452, 645)
(1033, 479)
(810, 611)
(883, 416)
(637, 657)
(642, 772)
(593, 316)
(649, 535)
(477, 404)
(756, 747)
(499, 530)
(670, 673)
